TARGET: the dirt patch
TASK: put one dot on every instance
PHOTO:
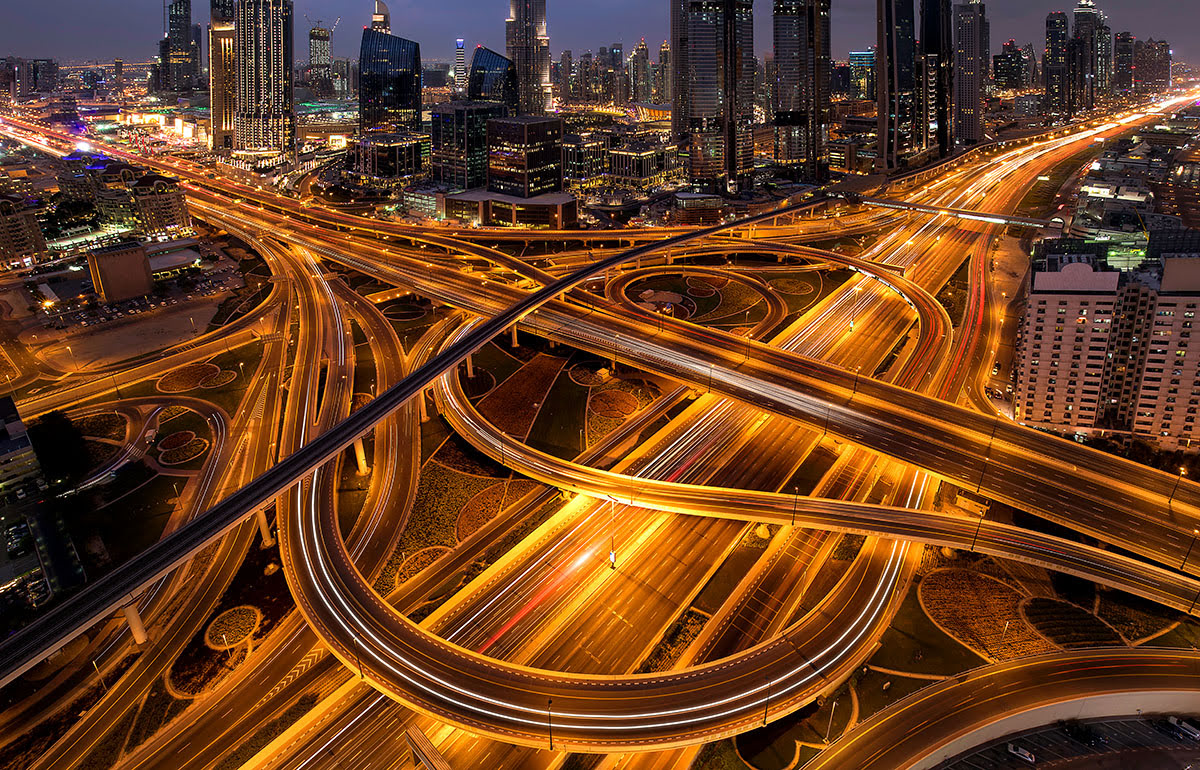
(614, 404)
(981, 613)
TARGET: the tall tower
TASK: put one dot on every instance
(1094, 72)
(643, 88)
(802, 71)
(896, 82)
(222, 75)
(1123, 62)
(681, 99)
(528, 46)
(320, 61)
(938, 41)
(721, 92)
(181, 68)
(460, 66)
(265, 117)
(389, 83)
(1054, 63)
(971, 65)
(664, 85)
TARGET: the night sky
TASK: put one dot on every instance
(82, 30)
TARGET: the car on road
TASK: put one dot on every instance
(1184, 727)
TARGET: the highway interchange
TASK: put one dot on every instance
(806, 382)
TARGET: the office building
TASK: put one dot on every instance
(585, 160)
(525, 156)
(118, 80)
(320, 62)
(897, 96)
(494, 78)
(1092, 73)
(265, 114)
(1123, 48)
(120, 272)
(643, 84)
(21, 241)
(45, 75)
(1009, 68)
(937, 41)
(643, 166)
(460, 66)
(459, 139)
(681, 74)
(720, 92)
(664, 75)
(389, 159)
(971, 60)
(566, 75)
(178, 52)
(1152, 65)
(389, 83)
(222, 76)
(528, 47)
(1054, 64)
(862, 74)
(802, 79)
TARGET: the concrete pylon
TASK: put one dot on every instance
(134, 619)
(264, 528)
(470, 366)
(360, 456)
(513, 329)
(424, 406)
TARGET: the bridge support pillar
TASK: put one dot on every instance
(360, 457)
(670, 259)
(134, 619)
(424, 406)
(264, 528)
(513, 330)
(470, 366)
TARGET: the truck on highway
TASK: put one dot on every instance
(1185, 727)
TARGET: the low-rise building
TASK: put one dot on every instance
(161, 208)
(21, 239)
(120, 271)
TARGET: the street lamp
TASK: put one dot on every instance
(550, 721)
(1170, 502)
(1195, 534)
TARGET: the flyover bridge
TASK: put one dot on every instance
(975, 216)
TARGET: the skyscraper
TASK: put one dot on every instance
(862, 74)
(643, 87)
(802, 72)
(1093, 79)
(721, 91)
(179, 68)
(222, 75)
(494, 79)
(664, 75)
(971, 62)
(937, 40)
(681, 75)
(528, 46)
(389, 83)
(1054, 64)
(1123, 62)
(1152, 65)
(320, 62)
(460, 66)
(896, 83)
(265, 116)
(566, 75)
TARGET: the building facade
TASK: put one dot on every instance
(265, 113)
(971, 60)
(525, 156)
(222, 76)
(720, 90)
(21, 240)
(528, 47)
(459, 137)
(493, 79)
(897, 96)
(120, 272)
(802, 80)
(389, 83)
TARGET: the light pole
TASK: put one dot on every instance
(767, 702)
(612, 531)
(550, 721)
(1178, 480)
(795, 503)
(1195, 534)
(829, 727)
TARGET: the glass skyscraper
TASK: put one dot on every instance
(721, 91)
(222, 81)
(528, 46)
(802, 72)
(494, 79)
(896, 82)
(265, 118)
(1054, 63)
(389, 83)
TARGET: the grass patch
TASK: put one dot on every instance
(513, 405)
(109, 425)
(1134, 618)
(268, 732)
(914, 643)
(104, 754)
(1069, 626)
(682, 632)
(774, 747)
(556, 430)
(726, 577)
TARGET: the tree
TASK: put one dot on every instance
(59, 447)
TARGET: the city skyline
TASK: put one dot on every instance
(572, 26)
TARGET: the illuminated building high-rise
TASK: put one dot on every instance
(971, 60)
(1123, 62)
(896, 84)
(320, 62)
(1152, 65)
(381, 19)
(1054, 64)
(802, 72)
(664, 75)
(178, 53)
(265, 115)
(937, 40)
(527, 43)
(389, 83)
(862, 74)
(721, 91)
(222, 75)
(460, 66)
(1093, 75)
(643, 86)
(681, 73)
(494, 79)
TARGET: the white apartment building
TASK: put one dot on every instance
(1106, 350)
